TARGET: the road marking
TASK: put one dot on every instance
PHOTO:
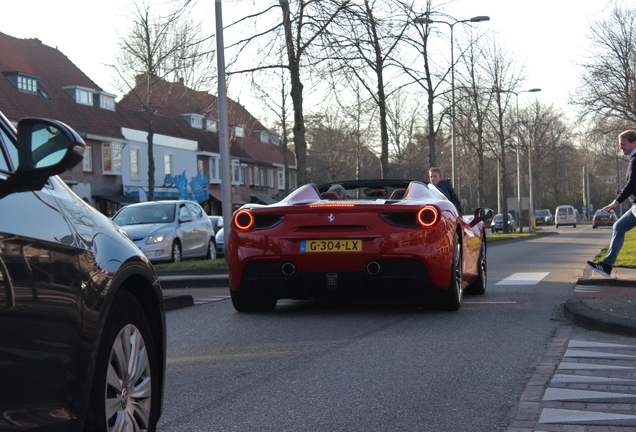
(552, 415)
(489, 302)
(591, 366)
(596, 354)
(560, 394)
(587, 379)
(590, 344)
(523, 279)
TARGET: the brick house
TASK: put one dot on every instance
(40, 81)
(257, 155)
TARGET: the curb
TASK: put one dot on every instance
(577, 312)
(194, 281)
(177, 302)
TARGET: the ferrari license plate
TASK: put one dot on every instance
(331, 245)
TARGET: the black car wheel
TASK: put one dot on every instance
(450, 299)
(176, 252)
(252, 302)
(126, 381)
(479, 285)
(211, 249)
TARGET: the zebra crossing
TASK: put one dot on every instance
(590, 386)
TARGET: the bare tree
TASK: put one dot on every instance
(504, 79)
(363, 47)
(158, 47)
(303, 22)
(608, 89)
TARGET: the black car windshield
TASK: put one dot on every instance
(541, 213)
(147, 214)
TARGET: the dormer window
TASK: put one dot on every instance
(263, 136)
(239, 130)
(274, 139)
(105, 100)
(25, 82)
(195, 120)
(81, 95)
(211, 125)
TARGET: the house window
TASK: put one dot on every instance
(264, 137)
(262, 177)
(81, 95)
(200, 167)
(239, 131)
(111, 157)
(210, 125)
(255, 181)
(274, 139)
(87, 162)
(270, 178)
(196, 122)
(27, 84)
(292, 180)
(105, 100)
(215, 177)
(167, 163)
(236, 172)
(135, 161)
(281, 179)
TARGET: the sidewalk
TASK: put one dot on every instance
(604, 304)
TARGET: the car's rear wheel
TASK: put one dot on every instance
(211, 249)
(451, 298)
(252, 302)
(176, 252)
(125, 392)
(478, 286)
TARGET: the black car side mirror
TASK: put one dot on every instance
(482, 214)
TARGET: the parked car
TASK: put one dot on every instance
(168, 230)
(543, 217)
(565, 215)
(497, 223)
(77, 293)
(217, 223)
(220, 243)
(417, 248)
(603, 218)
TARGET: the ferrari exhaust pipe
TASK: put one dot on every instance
(373, 268)
(288, 269)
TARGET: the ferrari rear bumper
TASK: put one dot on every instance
(399, 279)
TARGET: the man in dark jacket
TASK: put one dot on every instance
(627, 144)
(435, 174)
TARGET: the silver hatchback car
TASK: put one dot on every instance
(168, 230)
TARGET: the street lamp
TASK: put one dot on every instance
(427, 20)
(519, 166)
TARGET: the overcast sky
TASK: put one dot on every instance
(548, 36)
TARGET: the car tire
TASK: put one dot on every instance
(574, 225)
(211, 249)
(252, 302)
(451, 298)
(126, 385)
(478, 287)
(175, 255)
(594, 226)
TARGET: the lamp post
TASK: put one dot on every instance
(427, 20)
(519, 166)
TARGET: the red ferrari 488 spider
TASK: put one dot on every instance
(387, 239)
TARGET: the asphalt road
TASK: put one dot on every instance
(315, 366)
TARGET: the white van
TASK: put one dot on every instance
(565, 215)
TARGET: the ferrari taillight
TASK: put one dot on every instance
(428, 216)
(243, 220)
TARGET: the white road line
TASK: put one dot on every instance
(489, 302)
(523, 279)
(560, 394)
(552, 415)
(587, 379)
(589, 344)
(592, 366)
(596, 354)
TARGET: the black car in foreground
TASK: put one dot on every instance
(83, 336)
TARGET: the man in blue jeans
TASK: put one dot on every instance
(627, 144)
